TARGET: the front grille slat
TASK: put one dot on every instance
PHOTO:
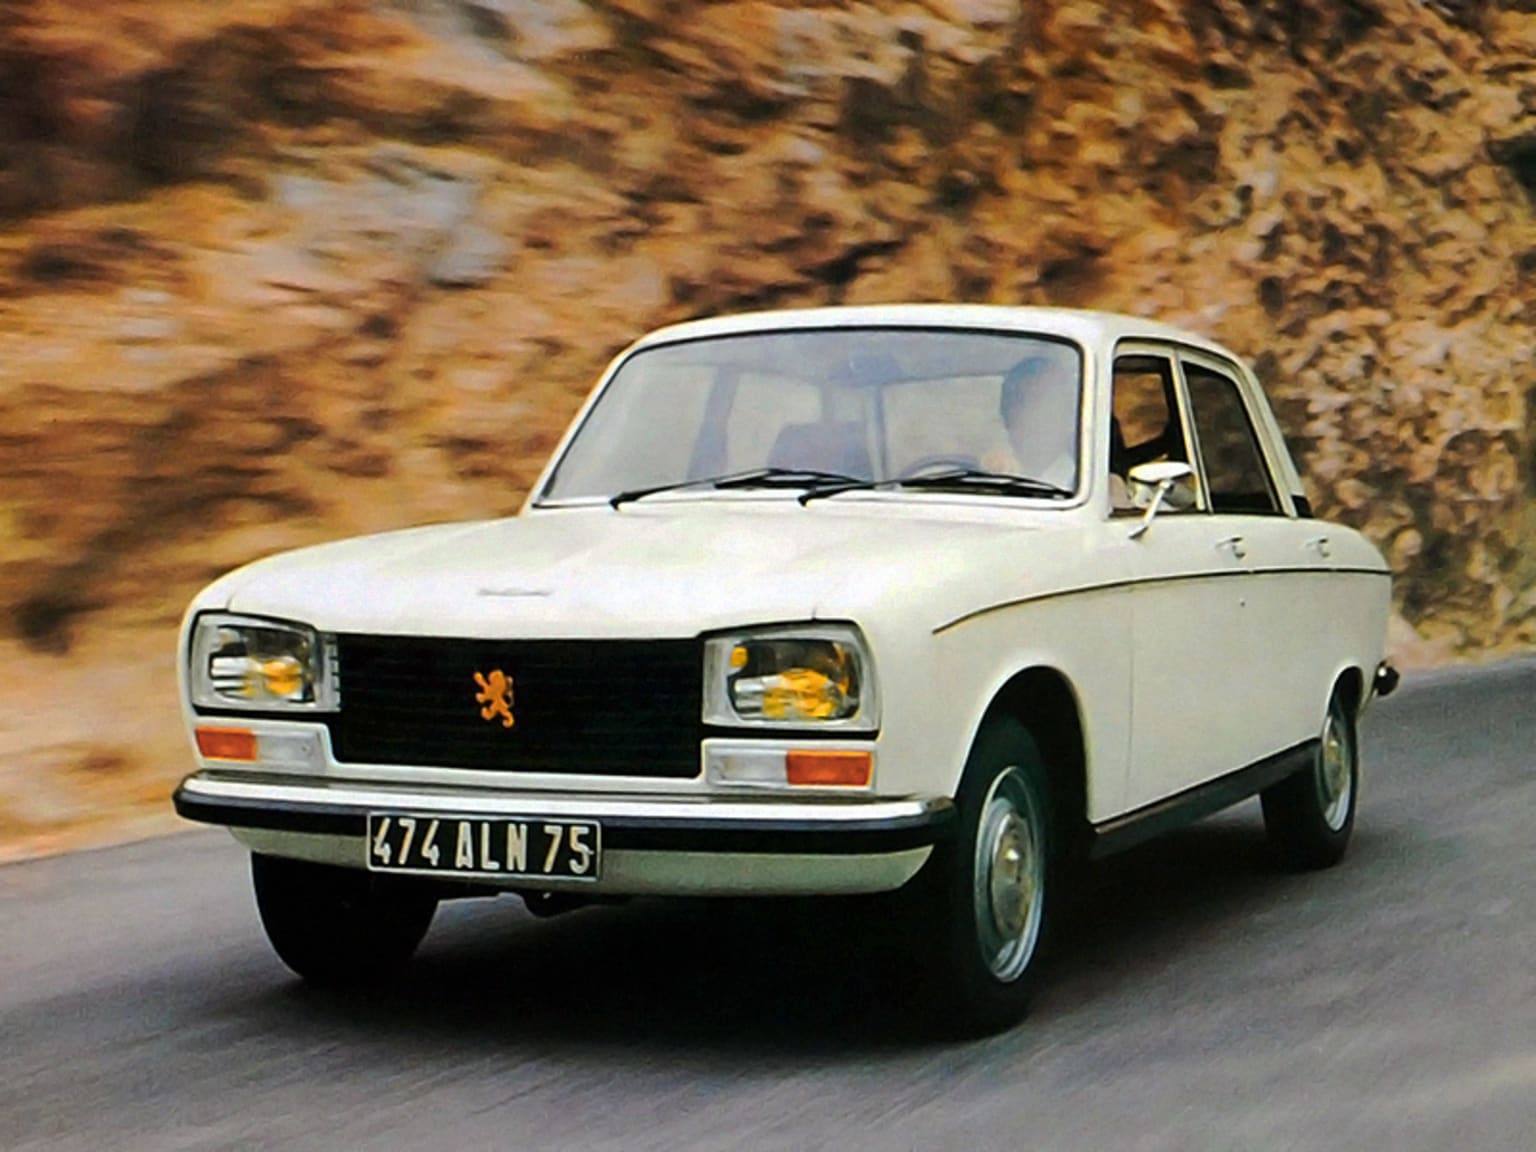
(601, 707)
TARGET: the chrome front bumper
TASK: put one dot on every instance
(651, 845)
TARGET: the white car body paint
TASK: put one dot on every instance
(1204, 646)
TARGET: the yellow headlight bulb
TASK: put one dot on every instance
(802, 693)
(282, 676)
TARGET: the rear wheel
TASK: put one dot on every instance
(1309, 816)
(983, 901)
(337, 926)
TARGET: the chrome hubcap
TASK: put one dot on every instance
(1009, 877)
(1335, 775)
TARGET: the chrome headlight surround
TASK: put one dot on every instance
(252, 664)
(779, 677)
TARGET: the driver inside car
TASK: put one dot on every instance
(1039, 405)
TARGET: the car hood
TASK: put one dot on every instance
(663, 568)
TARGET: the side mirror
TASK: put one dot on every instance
(1151, 485)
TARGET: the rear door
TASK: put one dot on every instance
(1285, 662)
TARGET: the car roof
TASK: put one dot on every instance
(1088, 327)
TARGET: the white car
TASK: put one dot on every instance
(938, 599)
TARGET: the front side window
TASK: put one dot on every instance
(1145, 428)
(871, 404)
(1235, 472)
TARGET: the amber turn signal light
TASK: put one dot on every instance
(844, 769)
(227, 743)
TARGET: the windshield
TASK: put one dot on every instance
(869, 404)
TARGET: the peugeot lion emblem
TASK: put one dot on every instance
(496, 697)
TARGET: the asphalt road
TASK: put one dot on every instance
(1199, 999)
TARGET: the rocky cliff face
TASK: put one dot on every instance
(273, 271)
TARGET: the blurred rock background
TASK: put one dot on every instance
(275, 271)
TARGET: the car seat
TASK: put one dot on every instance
(823, 447)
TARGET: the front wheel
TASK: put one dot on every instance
(1309, 816)
(983, 901)
(337, 926)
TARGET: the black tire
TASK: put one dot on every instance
(339, 926)
(1309, 816)
(985, 927)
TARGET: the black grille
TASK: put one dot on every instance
(605, 707)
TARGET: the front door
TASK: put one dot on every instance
(1191, 621)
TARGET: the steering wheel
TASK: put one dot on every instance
(937, 462)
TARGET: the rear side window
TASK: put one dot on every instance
(1237, 477)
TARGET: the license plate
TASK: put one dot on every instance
(461, 846)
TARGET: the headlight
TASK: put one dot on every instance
(795, 677)
(258, 665)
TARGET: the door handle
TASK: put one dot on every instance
(1324, 548)
(1237, 544)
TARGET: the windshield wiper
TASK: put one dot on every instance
(963, 478)
(953, 479)
(677, 485)
(787, 478)
(753, 478)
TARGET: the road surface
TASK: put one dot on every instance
(1199, 1000)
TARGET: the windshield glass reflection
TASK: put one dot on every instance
(873, 404)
